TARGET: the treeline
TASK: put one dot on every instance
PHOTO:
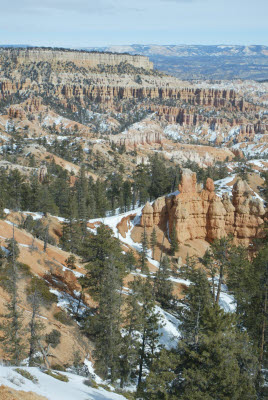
(81, 198)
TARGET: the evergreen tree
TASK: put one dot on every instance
(106, 324)
(97, 251)
(127, 195)
(163, 286)
(11, 325)
(248, 281)
(153, 241)
(220, 365)
(174, 246)
(130, 341)
(149, 325)
(81, 191)
(130, 260)
(160, 183)
(221, 250)
(142, 179)
(100, 198)
(199, 296)
(161, 377)
(71, 230)
(144, 252)
(35, 326)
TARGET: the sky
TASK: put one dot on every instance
(86, 23)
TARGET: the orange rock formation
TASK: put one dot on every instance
(201, 214)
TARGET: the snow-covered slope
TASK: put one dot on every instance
(52, 388)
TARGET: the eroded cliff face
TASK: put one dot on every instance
(201, 214)
(80, 58)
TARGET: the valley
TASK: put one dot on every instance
(133, 206)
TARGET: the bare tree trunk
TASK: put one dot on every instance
(44, 353)
(33, 332)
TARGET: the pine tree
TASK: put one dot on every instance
(11, 325)
(106, 324)
(221, 250)
(162, 375)
(153, 241)
(96, 251)
(130, 260)
(71, 230)
(35, 326)
(199, 296)
(159, 182)
(221, 365)
(127, 195)
(81, 191)
(212, 268)
(149, 325)
(130, 342)
(143, 253)
(248, 282)
(163, 286)
(174, 246)
(100, 198)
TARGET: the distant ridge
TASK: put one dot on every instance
(203, 61)
(15, 45)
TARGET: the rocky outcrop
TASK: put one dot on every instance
(144, 132)
(31, 105)
(42, 173)
(201, 214)
(189, 117)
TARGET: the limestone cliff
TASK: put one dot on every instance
(80, 58)
(201, 214)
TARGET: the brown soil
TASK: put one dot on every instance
(7, 393)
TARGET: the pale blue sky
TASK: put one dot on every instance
(106, 22)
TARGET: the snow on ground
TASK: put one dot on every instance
(227, 302)
(261, 163)
(92, 372)
(52, 388)
(169, 329)
(174, 132)
(221, 186)
(258, 148)
(68, 302)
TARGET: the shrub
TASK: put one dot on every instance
(63, 317)
(70, 262)
(105, 387)
(43, 289)
(25, 269)
(58, 367)
(26, 374)
(57, 375)
(90, 383)
(53, 338)
(127, 395)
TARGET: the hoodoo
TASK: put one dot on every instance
(201, 214)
